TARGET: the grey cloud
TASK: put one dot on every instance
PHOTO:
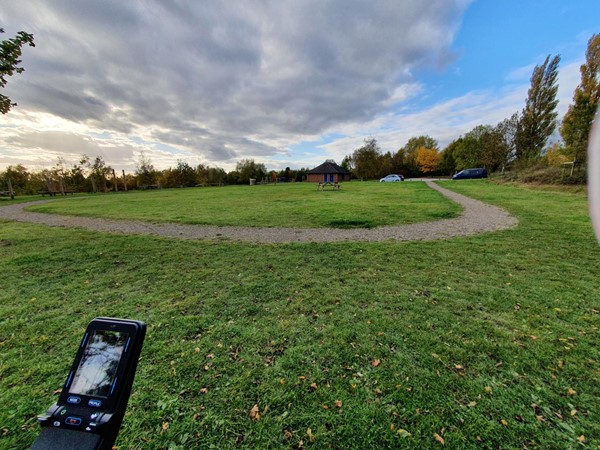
(225, 77)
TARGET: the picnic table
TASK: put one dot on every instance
(335, 186)
(55, 193)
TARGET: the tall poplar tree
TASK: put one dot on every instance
(538, 119)
(577, 123)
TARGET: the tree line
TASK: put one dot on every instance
(95, 175)
(517, 143)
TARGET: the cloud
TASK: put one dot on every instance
(222, 80)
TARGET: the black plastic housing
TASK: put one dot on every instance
(91, 406)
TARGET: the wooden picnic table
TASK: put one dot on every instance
(335, 186)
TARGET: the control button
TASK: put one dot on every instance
(74, 400)
(88, 429)
(74, 421)
(95, 403)
(56, 423)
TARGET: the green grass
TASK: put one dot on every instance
(489, 341)
(355, 205)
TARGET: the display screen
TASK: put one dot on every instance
(97, 369)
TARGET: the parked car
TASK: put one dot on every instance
(470, 173)
(392, 177)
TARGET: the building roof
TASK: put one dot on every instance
(329, 167)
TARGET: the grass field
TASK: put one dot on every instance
(481, 342)
(298, 205)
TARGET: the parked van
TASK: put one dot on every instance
(470, 173)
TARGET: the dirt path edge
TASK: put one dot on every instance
(477, 217)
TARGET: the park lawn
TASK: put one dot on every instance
(298, 205)
(483, 342)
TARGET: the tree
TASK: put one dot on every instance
(183, 175)
(19, 177)
(428, 159)
(249, 169)
(98, 172)
(448, 162)
(538, 119)
(577, 122)
(366, 160)
(465, 151)
(144, 170)
(10, 52)
(409, 151)
(507, 130)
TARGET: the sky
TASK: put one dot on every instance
(288, 83)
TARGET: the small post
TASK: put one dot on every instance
(10, 190)
(124, 181)
(115, 181)
(61, 184)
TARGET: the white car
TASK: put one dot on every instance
(390, 178)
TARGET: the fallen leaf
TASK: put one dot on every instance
(287, 435)
(439, 438)
(338, 403)
(403, 433)
(573, 412)
(472, 404)
(165, 426)
(376, 362)
(571, 392)
(310, 435)
(459, 367)
(504, 422)
(203, 390)
(254, 414)
(581, 438)
(197, 349)
(487, 389)
(314, 386)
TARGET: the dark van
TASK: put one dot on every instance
(470, 173)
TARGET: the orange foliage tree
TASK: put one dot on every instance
(428, 159)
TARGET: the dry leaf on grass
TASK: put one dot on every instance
(254, 414)
(439, 438)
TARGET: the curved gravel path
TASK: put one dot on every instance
(477, 217)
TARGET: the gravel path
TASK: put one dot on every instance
(477, 217)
